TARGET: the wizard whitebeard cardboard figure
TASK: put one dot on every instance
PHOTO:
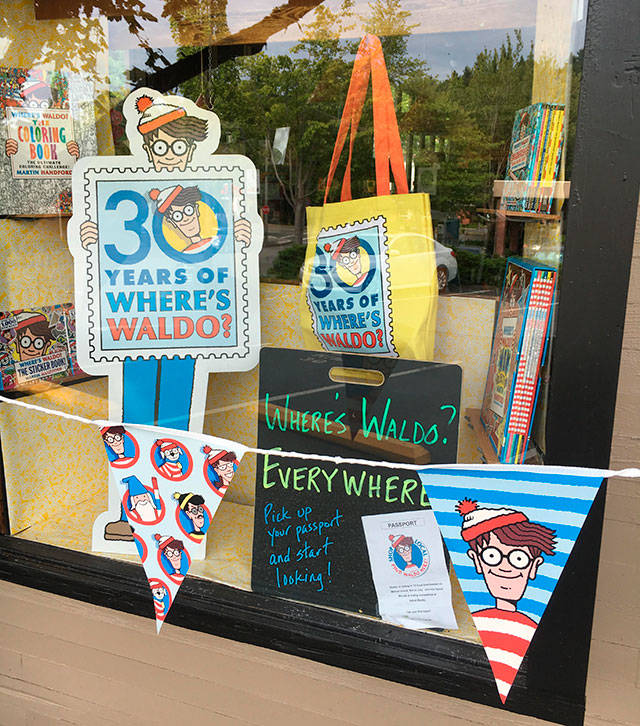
(165, 244)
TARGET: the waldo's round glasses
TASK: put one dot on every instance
(492, 556)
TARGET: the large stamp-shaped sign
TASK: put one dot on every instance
(348, 292)
(165, 243)
(170, 276)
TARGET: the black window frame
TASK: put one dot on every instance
(587, 346)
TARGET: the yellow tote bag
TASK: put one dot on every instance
(369, 283)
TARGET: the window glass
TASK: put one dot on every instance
(478, 89)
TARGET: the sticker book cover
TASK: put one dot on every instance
(47, 124)
(38, 345)
(517, 352)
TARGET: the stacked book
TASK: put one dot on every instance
(38, 344)
(534, 157)
(517, 354)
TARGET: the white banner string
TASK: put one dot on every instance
(632, 472)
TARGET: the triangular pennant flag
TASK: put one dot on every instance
(171, 486)
(510, 534)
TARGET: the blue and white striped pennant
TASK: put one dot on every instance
(510, 533)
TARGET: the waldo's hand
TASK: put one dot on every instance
(242, 232)
(73, 149)
(88, 233)
(11, 147)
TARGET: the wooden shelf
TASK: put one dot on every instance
(508, 188)
(520, 216)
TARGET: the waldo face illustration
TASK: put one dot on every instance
(347, 256)
(220, 466)
(172, 555)
(33, 335)
(169, 134)
(506, 549)
(122, 448)
(180, 208)
(407, 556)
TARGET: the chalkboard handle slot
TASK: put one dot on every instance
(357, 376)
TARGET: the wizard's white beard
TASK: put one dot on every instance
(146, 511)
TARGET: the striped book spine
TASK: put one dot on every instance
(525, 387)
(558, 155)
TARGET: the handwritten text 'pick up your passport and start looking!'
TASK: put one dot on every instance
(309, 540)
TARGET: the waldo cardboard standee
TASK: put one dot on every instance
(165, 244)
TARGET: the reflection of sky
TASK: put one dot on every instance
(448, 35)
(445, 52)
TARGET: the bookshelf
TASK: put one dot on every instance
(559, 191)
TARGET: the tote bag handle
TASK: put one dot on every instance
(369, 62)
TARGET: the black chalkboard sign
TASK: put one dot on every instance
(308, 543)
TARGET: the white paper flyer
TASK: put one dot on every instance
(409, 570)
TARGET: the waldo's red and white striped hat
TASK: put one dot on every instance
(25, 318)
(155, 114)
(163, 540)
(163, 198)
(482, 520)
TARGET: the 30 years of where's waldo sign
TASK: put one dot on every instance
(166, 244)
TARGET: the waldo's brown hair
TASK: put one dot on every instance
(190, 128)
(406, 541)
(189, 195)
(114, 430)
(352, 244)
(229, 456)
(38, 330)
(536, 537)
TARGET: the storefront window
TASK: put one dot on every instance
(486, 100)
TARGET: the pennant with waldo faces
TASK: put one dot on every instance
(170, 488)
(510, 535)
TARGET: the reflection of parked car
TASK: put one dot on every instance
(446, 264)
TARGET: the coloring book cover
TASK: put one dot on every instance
(47, 124)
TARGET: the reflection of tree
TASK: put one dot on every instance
(78, 42)
(305, 91)
(388, 20)
(460, 125)
(498, 83)
(197, 22)
(443, 134)
(225, 47)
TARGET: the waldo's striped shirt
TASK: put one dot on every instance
(506, 636)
